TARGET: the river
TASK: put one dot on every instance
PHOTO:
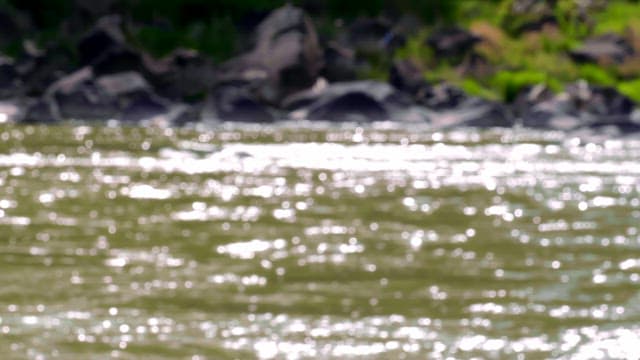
(317, 241)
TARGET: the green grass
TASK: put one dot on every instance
(631, 89)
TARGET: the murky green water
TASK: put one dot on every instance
(284, 242)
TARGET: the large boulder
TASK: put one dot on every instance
(126, 96)
(286, 58)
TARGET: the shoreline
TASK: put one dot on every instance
(290, 72)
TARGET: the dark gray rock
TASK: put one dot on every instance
(39, 68)
(351, 106)
(582, 106)
(598, 100)
(105, 36)
(39, 112)
(322, 91)
(369, 35)
(77, 96)
(123, 84)
(182, 75)
(529, 15)
(143, 107)
(452, 42)
(118, 60)
(9, 79)
(530, 96)
(607, 48)
(473, 112)
(287, 57)
(13, 25)
(339, 63)
(441, 97)
(361, 101)
(233, 103)
(124, 96)
(405, 75)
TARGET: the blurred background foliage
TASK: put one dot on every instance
(514, 57)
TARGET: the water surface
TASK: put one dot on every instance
(317, 242)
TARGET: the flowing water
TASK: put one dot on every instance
(323, 242)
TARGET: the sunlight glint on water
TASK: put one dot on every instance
(325, 242)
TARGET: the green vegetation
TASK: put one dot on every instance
(519, 46)
(520, 49)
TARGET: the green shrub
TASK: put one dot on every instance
(630, 89)
(617, 16)
(596, 75)
(473, 87)
(510, 83)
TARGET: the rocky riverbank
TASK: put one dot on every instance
(288, 72)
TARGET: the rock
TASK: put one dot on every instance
(13, 25)
(405, 75)
(231, 103)
(599, 100)
(530, 96)
(322, 91)
(117, 60)
(351, 106)
(365, 100)
(9, 80)
(38, 68)
(183, 75)
(144, 107)
(78, 97)
(39, 112)
(452, 42)
(528, 15)
(287, 57)
(370, 35)
(105, 36)
(473, 112)
(603, 49)
(582, 105)
(123, 84)
(125, 96)
(339, 63)
(550, 120)
(441, 97)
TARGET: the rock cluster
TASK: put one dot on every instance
(289, 74)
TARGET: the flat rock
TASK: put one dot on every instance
(603, 49)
